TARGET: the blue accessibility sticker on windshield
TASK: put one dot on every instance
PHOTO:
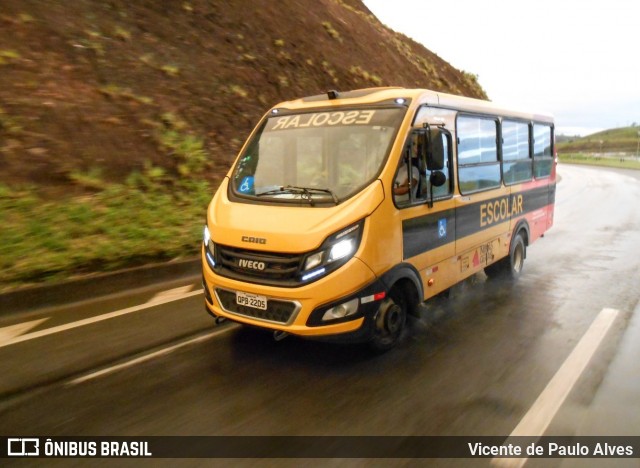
(247, 185)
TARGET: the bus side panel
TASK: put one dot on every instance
(534, 206)
(552, 203)
(481, 216)
(475, 259)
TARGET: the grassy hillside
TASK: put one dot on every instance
(113, 86)
(616, 147)
(624, 140)
(119, 117)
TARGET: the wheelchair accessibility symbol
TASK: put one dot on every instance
(247, 185)
(442, 228)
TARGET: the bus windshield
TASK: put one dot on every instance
(316, 157)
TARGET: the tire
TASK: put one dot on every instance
(511, 266)
(390, 322)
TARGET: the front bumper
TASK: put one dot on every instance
(299, 311)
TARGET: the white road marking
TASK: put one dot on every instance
(10, 332)
(540, 415)
(150, 356)
(171, 293)
(98, 318)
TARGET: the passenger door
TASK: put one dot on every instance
(428, 217)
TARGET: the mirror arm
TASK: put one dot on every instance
(430, 202)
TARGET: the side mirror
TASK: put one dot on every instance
(437, 178)
(436, 149)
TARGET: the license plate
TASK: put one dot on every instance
(251, 300)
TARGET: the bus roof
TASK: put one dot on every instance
(368, 96)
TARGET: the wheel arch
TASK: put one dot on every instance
(406, 277)
(522, 226)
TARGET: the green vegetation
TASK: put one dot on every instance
(92, 42)
(283, 81)
(8, 123)
(25, 18)
(96, 174)
(188, 151)
(156, 214)
(471, 80)
(126, 224)
(623, 139)
(8, 56)
(331, 30)
(329, 70)
(594, 160)
(89, 180)
(238, 91)
(114, 91)
(616, 147)
(359, 72)
(121, 33)
(283, 54)
(170, 70)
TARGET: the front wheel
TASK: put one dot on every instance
(510, 267)
(389, 322)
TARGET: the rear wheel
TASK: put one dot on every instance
(510, 267)
(389, 322)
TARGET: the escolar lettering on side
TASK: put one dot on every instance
(500, 210)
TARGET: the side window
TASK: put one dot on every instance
(408, 177)
(434, 116)
(413, 181)
(542, 151)
(516, 157)
(478, 164)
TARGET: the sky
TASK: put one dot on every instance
(576, 59)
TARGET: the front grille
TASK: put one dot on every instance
(275, 268)
(277, 311)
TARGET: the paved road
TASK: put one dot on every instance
(159, 366)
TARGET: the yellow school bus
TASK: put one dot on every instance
(345, 211)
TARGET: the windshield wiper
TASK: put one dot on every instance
(306, 192)
(320, 190)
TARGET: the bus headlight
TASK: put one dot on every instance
(209, 248)
(334, 252)
(342, 249)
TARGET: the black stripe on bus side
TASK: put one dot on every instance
(423, 233)
(428, 232)
(552, 194)
(479, 216)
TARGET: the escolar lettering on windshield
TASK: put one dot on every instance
(321, 119)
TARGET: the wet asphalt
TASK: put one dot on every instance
(473, 365)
